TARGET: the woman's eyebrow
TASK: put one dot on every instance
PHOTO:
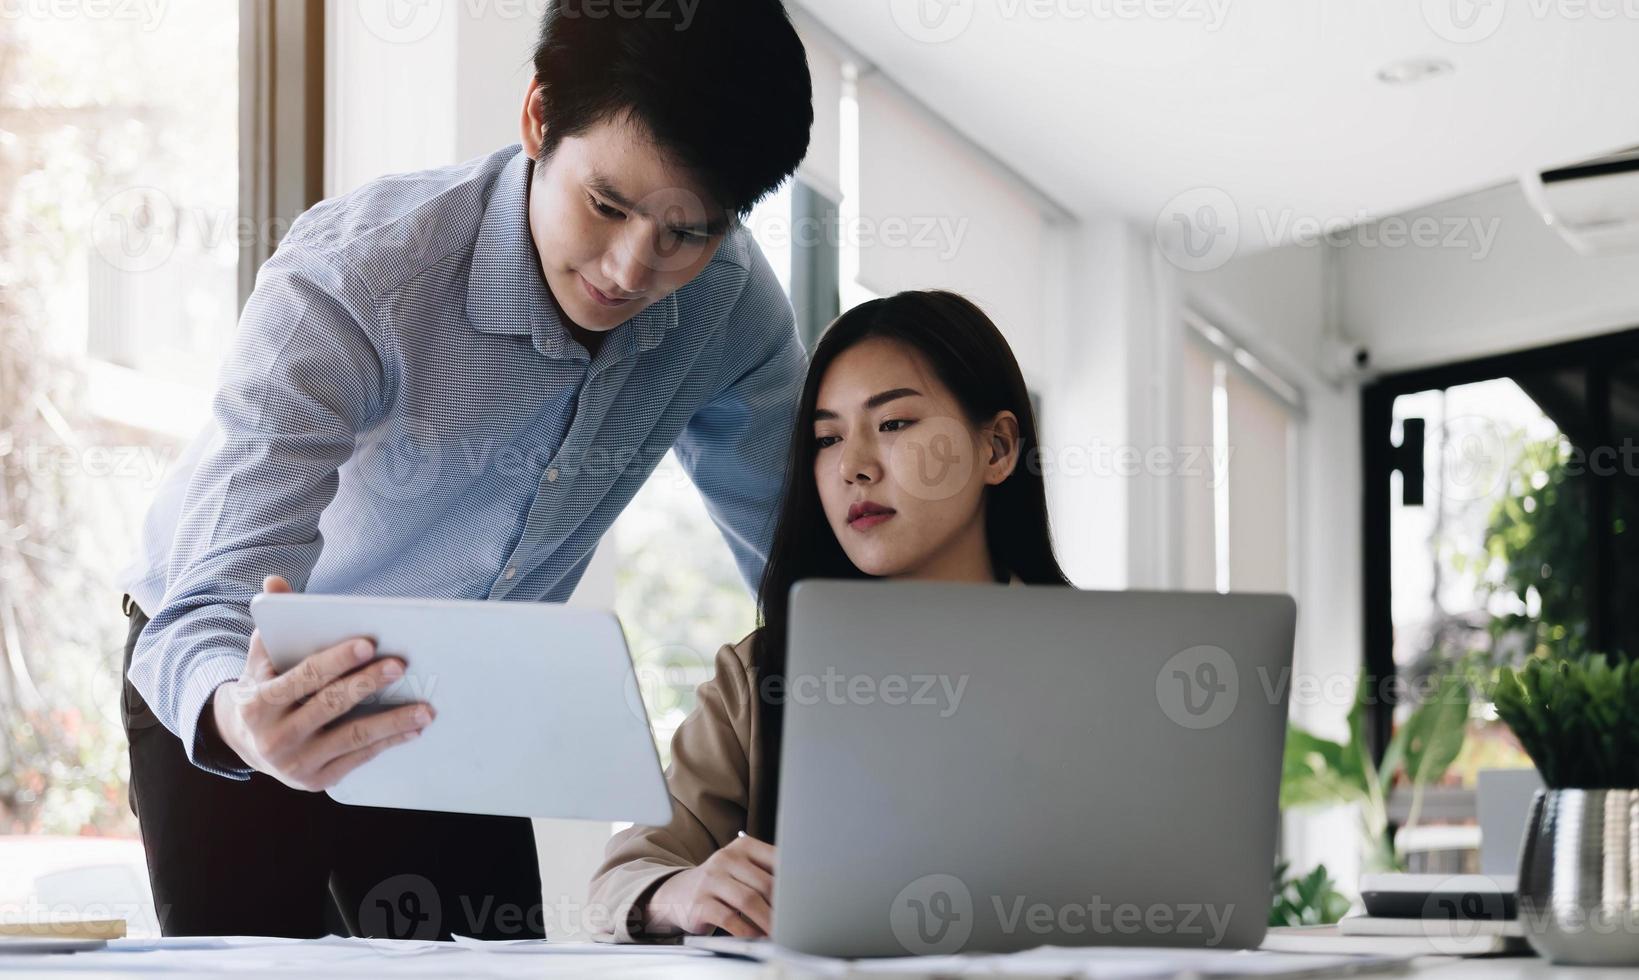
(875, 401)
(878, 400)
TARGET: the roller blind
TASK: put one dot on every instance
(1259, 427)
(1235, 519)
(1195, 481)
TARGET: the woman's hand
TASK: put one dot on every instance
(732, 890)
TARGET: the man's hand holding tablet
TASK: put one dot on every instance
(280, 724)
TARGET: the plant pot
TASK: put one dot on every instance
(1579, 876)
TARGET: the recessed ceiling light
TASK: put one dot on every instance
(1408, 70)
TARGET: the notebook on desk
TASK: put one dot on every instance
(1439, 940)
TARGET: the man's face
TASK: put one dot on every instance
(617, 224)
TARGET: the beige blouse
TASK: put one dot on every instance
(712, 776)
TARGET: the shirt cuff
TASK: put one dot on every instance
(203, 680)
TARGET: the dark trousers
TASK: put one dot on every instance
(233, 857)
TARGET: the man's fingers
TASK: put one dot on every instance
(276, 583)
(361, 733)
(332, 773)
(319, 669)
(257, 662)
(750, 905)
(342, 694)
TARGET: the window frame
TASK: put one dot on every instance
(281, 123)
(816, 276)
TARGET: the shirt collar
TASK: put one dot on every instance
(506, 293)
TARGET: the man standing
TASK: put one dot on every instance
(449, 384)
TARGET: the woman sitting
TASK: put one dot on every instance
(914, 457)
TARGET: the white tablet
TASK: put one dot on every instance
(539, 713)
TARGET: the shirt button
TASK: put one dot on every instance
(552, 475)
(510, 572)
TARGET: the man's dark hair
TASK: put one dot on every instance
(721, 84)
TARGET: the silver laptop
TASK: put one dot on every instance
(973, 768)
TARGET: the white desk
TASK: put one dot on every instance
(316, 960)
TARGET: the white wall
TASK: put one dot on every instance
(445, 87)
(1500, 280)
(1085, 393)
(1274, 300)
(934, 212)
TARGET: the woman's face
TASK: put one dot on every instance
(901, 471)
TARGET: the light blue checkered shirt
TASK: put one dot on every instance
(403, 414)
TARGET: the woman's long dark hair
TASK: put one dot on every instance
(972, 359)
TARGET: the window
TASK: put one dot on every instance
(120, 256)
(136, 200)
(1500, 515)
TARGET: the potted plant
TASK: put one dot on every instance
(1305, 900)
(1579, 722)
(1318, 771)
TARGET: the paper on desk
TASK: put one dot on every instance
(563, 947)
(269, 944)
(1210, 964)
(225, 954)
(1096, 963)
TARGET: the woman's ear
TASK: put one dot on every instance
(1001, 435)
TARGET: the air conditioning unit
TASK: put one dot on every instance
(1594, 205)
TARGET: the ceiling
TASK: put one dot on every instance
(1118, 106)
